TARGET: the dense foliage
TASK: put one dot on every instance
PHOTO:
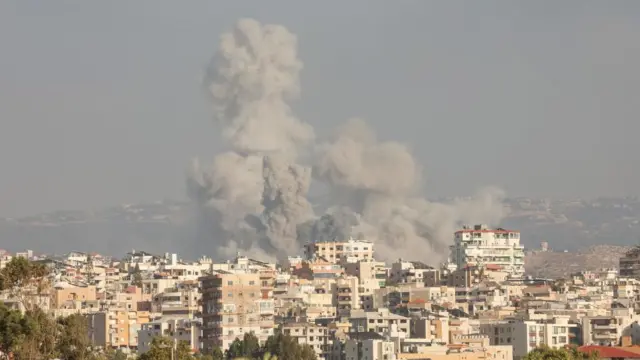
(571, 353)
(277, 347)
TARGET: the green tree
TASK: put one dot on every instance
(13, 329)
(162, 347)
(547, 353)
(285, 347)
(250, 345)
(217, 353)
(74, 342)
(24, 281)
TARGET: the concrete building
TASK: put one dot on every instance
(525, 336)
(183, 300)
(234, 304)
(340, 251)
(176, 329)
(609, 329)
(346, 295)
(483, 246)
(62, 295)
(313, 335)
(117, 328)
(370, 349)
(630, 264)
(380, 321)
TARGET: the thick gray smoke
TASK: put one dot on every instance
(380, 181)
(253, 198)
(254, 195)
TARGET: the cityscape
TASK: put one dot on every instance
(340, 302)
(452, 180)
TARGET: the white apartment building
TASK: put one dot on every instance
(525, 336)
(374, 349)
(481, 246)
(348, 251)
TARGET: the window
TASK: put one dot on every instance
(229, 282)
(230, 295)
(562, 339)
(555, 330)
(252, 282)
(554, 340)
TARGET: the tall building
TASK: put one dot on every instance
(481, 246)
(340, 251)
(232, 305)
(630, 264)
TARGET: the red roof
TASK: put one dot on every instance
(609, 352)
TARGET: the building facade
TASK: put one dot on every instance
(340, 251)
(481, 246)
(232, 305)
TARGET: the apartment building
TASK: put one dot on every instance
(481, 245)
(117, 327)
(232, 304)
(175, 328)
(346, 295)
(380, 321)
(432, 328)
(368, 270)
(630, 264)
(340, 251)
(64, 293)
(526, 335)
(410, 272)
(378, 349)
(313, 335)
(609, 329)
(182, 300)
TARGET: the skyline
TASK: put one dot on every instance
(113, 114)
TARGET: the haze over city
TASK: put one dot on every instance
(378, 180)
(102, 103)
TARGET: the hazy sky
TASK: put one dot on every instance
(101, 104)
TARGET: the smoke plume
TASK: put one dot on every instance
(253, 197)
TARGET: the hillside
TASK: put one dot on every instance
(559, 264)
(574, 225)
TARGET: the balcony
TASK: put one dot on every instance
(605, 336)
(266, 323)
(604, 326)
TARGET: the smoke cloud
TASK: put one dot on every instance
(254, 197)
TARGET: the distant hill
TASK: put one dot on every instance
(163, 226)
(561, 264)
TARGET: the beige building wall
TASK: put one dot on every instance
(233, 304)
(72, 294)
(313, 335)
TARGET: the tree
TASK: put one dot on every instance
(13, 329)
(74, 342)
(217, 353)
(161, 348)
(285, 347)
(547, 353)
(250, 345)
(25, 281)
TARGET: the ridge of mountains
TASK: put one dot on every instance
(574, 225)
